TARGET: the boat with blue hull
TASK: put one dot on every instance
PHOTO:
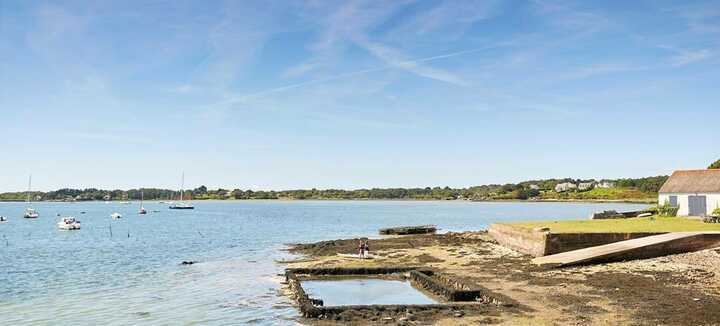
(181, 204)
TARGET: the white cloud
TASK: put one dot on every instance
(351, 23)
(569, 18)
(396, 59)
(449, 19)
(700, 19)
(299, 70)
(351, 19)
(409, 65)
(600, 69)
(183, 89)
(687, 57)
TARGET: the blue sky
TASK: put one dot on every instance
(350, 94)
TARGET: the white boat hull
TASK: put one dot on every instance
(68, 223)
(31, 213)
(63, 226)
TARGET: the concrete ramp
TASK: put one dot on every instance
(641, 248)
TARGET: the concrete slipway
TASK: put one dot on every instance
(646, 247)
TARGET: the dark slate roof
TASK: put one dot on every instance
(692, 181)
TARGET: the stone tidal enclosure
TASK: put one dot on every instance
(453, 294)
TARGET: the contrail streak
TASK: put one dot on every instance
(397, 65)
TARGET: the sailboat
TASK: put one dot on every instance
(142, 208)
(181, 204)
(29, 212)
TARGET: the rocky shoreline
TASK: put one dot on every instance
(673, 290)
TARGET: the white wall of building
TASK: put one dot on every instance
(713, 201)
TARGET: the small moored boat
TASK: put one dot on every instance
(181, 204)
(29, 212)
(3, 219)
(142, 210)
(116, 216)
(68, 223)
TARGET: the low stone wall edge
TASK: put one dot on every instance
(519, 239)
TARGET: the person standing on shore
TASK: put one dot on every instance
(361, 249)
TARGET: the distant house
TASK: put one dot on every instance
(605, 184)
(566, 186)
(585, 185)
(534, 187)
(695, 192)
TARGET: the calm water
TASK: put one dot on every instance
(87, 277)
(365, 291)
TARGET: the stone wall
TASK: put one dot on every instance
(438, 284)
(447, 291)
(450, 288)
(351, 271)
(542, 243)
(520, 239)
(305, 303)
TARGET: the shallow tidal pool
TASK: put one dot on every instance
(364, 292)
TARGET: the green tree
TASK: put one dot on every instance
(715, 165)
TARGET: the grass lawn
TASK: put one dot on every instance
(645, 224)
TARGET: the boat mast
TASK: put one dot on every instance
(182, 186)
(28, 192)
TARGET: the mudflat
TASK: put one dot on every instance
(680, 289)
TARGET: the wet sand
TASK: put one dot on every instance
(673, 290)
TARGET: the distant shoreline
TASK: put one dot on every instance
(609, 201)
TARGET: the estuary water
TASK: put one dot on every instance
(128, 272)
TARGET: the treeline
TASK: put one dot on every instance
(375, 193)
(649, 184)
(91, 194)
(538, 189)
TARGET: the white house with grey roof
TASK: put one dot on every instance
(695, 192)
(585, 185)
(565, 186)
